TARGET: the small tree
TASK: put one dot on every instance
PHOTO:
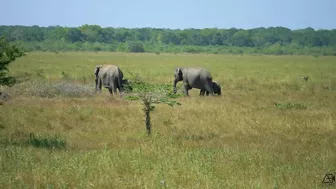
(151, 98)
(135, 46)
(8, 54)
(151, 94)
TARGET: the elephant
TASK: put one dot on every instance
(193, 77)
(111, 77)
(216, 88)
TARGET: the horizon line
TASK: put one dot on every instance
(188, 28)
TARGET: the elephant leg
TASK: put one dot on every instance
(98, 85)
(121, 90)
(207, 93)
(110, 90)
(186, 89)
(202, 92)
(115, 91)
(121, 93)
(174, 89)
(118, 89)
(114, 87)
(209, 88)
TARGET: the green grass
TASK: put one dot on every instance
(269, 129)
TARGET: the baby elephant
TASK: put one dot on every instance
(216, 88)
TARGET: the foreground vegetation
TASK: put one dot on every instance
(269, 129)
(272, 40)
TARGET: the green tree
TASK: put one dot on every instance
(241, 38)
(165, 40)
(135, 46)
(73, 35)
(149, 95)
(92, 33)
(8, 54)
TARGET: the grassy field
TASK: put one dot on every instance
(269, 129)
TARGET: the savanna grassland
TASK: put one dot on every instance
(269, 129)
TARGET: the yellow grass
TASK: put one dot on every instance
(238, 140)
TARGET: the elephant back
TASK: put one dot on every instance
(110, 70)
(110, 73)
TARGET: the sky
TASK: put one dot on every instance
(173, 14)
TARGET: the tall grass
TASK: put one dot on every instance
(269, 129)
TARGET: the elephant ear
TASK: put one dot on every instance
(97, 69)
(179, 72)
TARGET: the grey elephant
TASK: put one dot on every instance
(111, 77)
(193, 77)
(216, 88)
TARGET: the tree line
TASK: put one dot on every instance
(272, 40)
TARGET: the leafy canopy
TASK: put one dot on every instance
(8, 54)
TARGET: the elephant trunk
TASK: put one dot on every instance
(96, 81)
(175, 82)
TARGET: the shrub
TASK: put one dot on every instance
(46, 141)
(8, 54)
(136, 47)
(49, 89)
(37, 141)
(290, 105)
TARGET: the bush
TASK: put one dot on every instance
(48, 89)
(163, 89)
(8, 54)
(46, 142)
(37, 141)
(4, 96)
(290, 105)
(136, 47)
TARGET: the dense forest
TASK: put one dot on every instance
(272, 40)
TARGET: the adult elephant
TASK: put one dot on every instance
(216, 88)
(111, 77)
(198, 78)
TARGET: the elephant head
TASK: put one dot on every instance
(126, 85)
(97, 69)
(96, 72)
(217, 88)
